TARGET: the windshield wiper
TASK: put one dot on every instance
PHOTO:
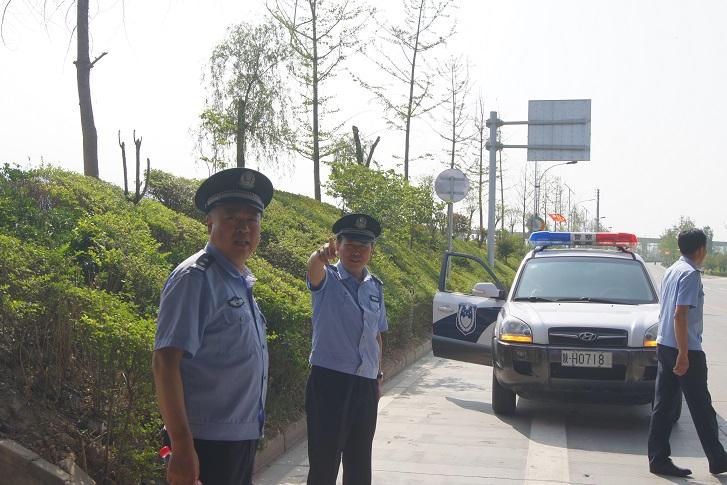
(533, 299)
(590, 299)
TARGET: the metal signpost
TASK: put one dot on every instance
(451, 186)
(557, 131)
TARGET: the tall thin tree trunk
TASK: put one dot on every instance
(411, 94)
(83, 79)
(240, 135)
(316, 141)
(454, 121)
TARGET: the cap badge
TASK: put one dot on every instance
(361, 223)
(247, 180)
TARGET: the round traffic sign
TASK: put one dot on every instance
(452, 185)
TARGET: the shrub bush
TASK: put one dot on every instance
(81, 270)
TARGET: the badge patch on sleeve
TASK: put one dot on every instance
(235, 302)
(375, 299)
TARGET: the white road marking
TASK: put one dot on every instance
(547, 452)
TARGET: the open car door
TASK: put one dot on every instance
(465, 309)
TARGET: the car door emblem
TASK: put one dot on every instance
(587, 336)
(467, 318)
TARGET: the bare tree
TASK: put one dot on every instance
(353, 149)
(247, 90)
(139, 193)
(471, 205)
(455, 73)
(524, 192)
(322, 35)
(83, 65)
(360, 148)
(480, 169)
(419, 33)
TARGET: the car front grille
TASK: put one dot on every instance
(588, 337)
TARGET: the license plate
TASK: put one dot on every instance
(579, 358)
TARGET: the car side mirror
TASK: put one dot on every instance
(487, 290)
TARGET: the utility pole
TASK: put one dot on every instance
(570, 214)
(598, 210)
(492, 145)
(559, 129)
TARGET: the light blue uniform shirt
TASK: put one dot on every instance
(347, 317)
(208, 311)
(682, 285)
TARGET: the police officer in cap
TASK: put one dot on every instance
(344, 383)
(210, 358)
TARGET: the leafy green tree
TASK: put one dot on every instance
(461, 226)
(214, 137)
(668, 240)
(710, 238)
(509, 244)
(249, 100)
(386, 195)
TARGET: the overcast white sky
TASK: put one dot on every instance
(654, 69)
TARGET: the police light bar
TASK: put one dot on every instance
(614, 239)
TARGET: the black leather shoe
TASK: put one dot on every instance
(669, 469)
(719, 468)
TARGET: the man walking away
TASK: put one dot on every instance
(682, 362)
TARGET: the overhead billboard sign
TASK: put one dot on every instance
(559, 130)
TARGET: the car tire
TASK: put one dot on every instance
(503, 399)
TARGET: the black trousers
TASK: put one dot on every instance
(341, 413)
(694, 386)
(225, 462)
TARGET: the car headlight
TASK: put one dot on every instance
(650, 336)
(515, 331)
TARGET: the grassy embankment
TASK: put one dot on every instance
(81, 269)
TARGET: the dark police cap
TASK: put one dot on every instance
(241, 185)
(360, 227)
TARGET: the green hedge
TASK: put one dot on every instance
(81, 269)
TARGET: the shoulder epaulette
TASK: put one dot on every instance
(204, 262)
(377, 279)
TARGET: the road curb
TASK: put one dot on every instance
(21, 466)
(296, 432)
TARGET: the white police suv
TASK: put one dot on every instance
(579, 323)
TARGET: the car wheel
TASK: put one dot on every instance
(503, 400)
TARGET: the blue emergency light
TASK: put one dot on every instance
(614, 239)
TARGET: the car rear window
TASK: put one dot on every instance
(601, 280)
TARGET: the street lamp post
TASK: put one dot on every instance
(537, 184)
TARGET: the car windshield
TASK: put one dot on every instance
(586, 279)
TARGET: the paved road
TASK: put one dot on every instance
(436, 426)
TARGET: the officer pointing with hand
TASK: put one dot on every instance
(344, 383)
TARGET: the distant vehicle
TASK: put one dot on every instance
(580, 321)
